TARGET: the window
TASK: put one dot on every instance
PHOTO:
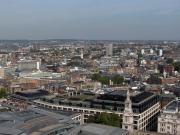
(135, 127)
(162, 129)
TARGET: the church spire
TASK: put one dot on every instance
(128, 104)
(128, 114)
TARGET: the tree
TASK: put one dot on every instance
(154, 79)
(177, 66)
(92, 119)
(104, 80)
(96, 77)
(103, 119)
(140, 55)
(169, 60)
(106, 119)
(3, 92)
(117, 79)
(100, 78)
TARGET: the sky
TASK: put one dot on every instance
(90, 19)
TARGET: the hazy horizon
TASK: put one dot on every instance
(90, 19)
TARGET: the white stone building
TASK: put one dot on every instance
(169, 120)
(128, 115)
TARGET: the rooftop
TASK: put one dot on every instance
(42, 75)
(136, 97)
(98, 129)
(31, 94)
(173, 107)
(33, 120)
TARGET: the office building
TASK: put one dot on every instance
(160, 52)
(145, 107)
(6, 72)
(109, 50)
(28, 65)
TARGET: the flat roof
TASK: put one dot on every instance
(99, 129)
(173, 106)
(40, 74)
(32, 93)
(10, 131)
(121, 96)
(32, 120)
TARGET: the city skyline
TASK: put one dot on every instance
(90, 19)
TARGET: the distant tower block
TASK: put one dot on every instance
(160, 52)
(128, 115)
(65, 60)
(151, 51)
(109, 50)
(165, 74)
(82, 55)
(38, 65)
(156, 70)
(142, 51)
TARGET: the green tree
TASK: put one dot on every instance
(96, 77)
(140, 55)
(104, 80)
(100, 78)
(103, 119)
(117, 79)
(3, 92)
(106, 119)
(169, 60)
(177, 66)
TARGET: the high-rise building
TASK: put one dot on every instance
(160, 52)
(109, 50)
(142, 52)
(82, 54)
(151, 51)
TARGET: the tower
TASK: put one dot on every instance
(151, 51)
(128, 115)
(160, 52)
(109, 50)
(165, 74)
(142, 51)
(81, 53)
(156, 69)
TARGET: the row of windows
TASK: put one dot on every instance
(163, 130)
(149, 113)
(70, 109)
